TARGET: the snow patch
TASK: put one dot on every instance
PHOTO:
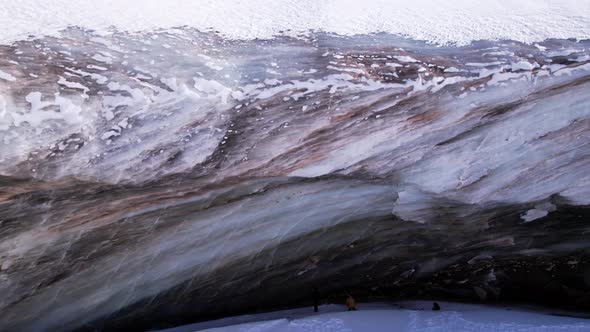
(540, 211)
(411, 316)
(404, 58)
(6, 76)
(462, 20)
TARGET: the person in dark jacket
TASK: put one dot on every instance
(316, 299)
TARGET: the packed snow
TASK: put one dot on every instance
(440, 21)
(403, 317)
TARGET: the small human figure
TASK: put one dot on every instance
(316, 299)
(435, 306)
(350, 303)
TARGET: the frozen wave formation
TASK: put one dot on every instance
(153, 179)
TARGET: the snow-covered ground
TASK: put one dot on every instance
(401, 317)
(441, 21)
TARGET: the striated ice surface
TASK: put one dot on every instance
(147, 179)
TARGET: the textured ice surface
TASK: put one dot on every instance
(441, 21)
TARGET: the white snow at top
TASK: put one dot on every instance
(439, 21)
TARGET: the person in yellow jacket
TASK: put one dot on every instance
(350, 303)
